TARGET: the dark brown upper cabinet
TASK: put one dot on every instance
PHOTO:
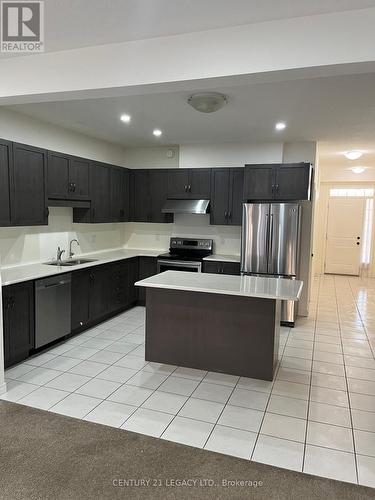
(282, 182)
(119, 194)
(100, 188)
(189, 183)
(148, 195)
(5, 165)
(28, 186)
(67, 177)
(226, 196)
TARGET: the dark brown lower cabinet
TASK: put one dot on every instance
(216, 267)
(18, 319)
(147, 268)
(101, 291)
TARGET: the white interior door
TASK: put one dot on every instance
(344, 235)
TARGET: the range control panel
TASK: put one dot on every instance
(191, 244)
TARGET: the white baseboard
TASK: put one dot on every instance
(3, 388)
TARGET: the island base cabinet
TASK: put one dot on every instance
(18, 322)
(220, 333)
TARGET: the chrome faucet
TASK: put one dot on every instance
(59, 254)
(70, 247)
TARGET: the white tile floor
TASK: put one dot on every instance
(318, 416)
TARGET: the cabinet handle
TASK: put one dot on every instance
(186, 188)
(189, 188)
(230, 215)
(74, 186)
(225, 214)
(277, 188)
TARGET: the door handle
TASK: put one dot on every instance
(358, 243)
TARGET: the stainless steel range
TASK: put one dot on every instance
(185, 254)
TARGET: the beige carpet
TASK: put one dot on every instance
(49, 456)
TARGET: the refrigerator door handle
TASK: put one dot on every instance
(270, 244)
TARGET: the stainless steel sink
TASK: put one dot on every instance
(70, 263)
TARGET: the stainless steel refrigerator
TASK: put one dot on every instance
(270, 244)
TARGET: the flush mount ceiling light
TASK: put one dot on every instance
(207, 102)
(358, 170)
(157, 132)
(280, 126)
(353, 155)
(125, 118)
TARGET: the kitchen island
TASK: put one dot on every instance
(226, 324)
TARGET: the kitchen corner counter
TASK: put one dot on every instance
(243, 286)
(223, 258)
(18, 274)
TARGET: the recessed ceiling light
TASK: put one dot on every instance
(353, 155)
(125, 118)
(157, 132)
(280, 126)
(358, 170)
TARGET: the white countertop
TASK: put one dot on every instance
(223, 258)
(18, 274)
(243, 286)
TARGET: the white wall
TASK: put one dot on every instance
(20, 128)
(156, 236)
(229, 154)
(152, 157)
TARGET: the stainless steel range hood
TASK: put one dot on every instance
(196, 207)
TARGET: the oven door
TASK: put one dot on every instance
(179, 265)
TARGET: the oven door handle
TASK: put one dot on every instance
(179, 263)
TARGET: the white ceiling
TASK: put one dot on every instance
(81, 23)
(339, 111)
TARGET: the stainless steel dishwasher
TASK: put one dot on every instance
(52, 308)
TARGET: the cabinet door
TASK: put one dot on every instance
(20, 324)
(79, 176)
(80, 299)
(28, 191)
(158, 194)
(232, 268)
(100, 292)
(147, 268)
(57, 176)
(132, 277)
(200, 183)
(117, 194)
(219, 267)
(219, 213)
(235, 196)
(259, 182)
(293, 182)
(6, 329)
(5, 161)
(178, 183)
(140, 196)
(100, 180)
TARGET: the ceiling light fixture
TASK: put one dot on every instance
(280, 126)
(207, 102)
(157, 132)
(125, 118)
(358, 170)
(353, 155)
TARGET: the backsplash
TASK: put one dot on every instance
(23, 245)
(156, 236)
(33, 244)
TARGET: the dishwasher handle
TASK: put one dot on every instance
(53, 282)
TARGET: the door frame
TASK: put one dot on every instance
(321, 223)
